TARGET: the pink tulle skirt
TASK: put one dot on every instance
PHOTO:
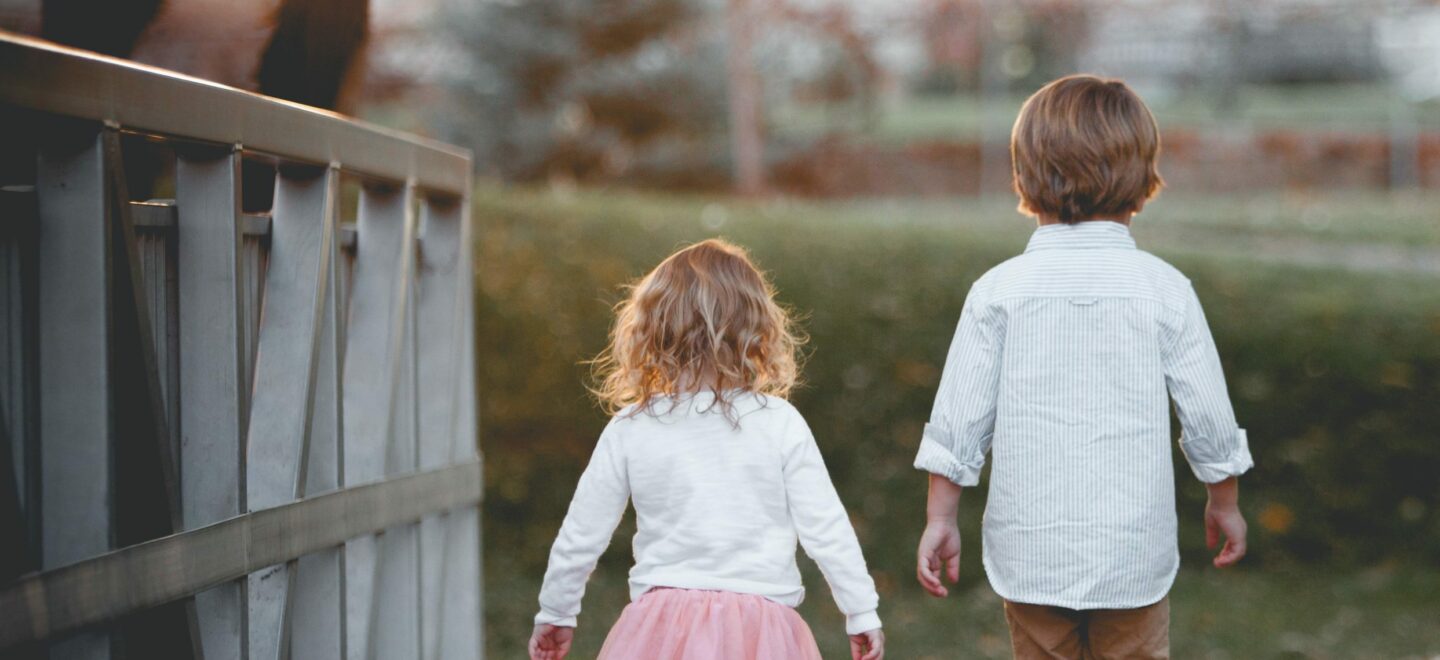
(688, 624)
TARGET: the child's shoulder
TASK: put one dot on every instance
(1168, 280)
(1003, 269)
(778, 420)
(628, 412)
(1025, 261)
(768, 415)
(984, 286)
(743, 405)
(1170, 285)
(768, 408)
(1161, 267)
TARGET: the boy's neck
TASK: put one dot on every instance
(1049, 220)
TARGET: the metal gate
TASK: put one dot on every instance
(224, 434)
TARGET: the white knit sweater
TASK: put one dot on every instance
(718, 506)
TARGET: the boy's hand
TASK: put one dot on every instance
(869, 645)
(1222, 516)
(939, 545)
(550, 642)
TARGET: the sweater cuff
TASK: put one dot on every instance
(935, 457)
(1235, 464)
(862, 622)
(546, 617)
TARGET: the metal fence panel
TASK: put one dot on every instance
(258, 430)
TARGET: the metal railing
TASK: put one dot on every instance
(228, 434)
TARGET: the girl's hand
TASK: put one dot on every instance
(869, 645)
(550, 642)
(939, 546)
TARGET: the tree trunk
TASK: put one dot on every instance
(747, 144)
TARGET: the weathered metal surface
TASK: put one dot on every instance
(314, 609)
(283, 412)
(212, 375)
(379, 424)
(449, 559)
(74, 279)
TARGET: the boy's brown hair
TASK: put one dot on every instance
(1084, 147)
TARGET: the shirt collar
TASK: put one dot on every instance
(1081, 235)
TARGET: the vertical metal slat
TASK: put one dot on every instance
(212, 373)
(449, 552)
(74, 308)
(314, 611)
(379, 437)
(281, 411)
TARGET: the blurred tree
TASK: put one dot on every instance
(747, 140)
(848, 80)
(952, 32)
(1037, 41)
(588, 90)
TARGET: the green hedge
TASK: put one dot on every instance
(1336, 375)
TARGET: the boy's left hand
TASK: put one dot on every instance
(1222, 516)
(550, 642)
(939, 546)
(1227, 520)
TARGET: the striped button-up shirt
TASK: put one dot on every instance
(1060, 369)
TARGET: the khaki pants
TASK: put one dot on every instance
(1045, 632)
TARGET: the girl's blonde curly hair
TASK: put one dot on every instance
(705, 319)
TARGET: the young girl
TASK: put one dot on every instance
(724, 474)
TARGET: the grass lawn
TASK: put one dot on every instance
(1336, 107)
(1331, 345)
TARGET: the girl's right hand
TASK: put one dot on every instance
(869, 645)
(550, 642)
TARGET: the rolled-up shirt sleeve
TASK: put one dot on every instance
(1213, 443)
(962, 422)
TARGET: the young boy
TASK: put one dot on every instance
(1060, 367)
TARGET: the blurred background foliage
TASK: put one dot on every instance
(586, 91)
(635, 92)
